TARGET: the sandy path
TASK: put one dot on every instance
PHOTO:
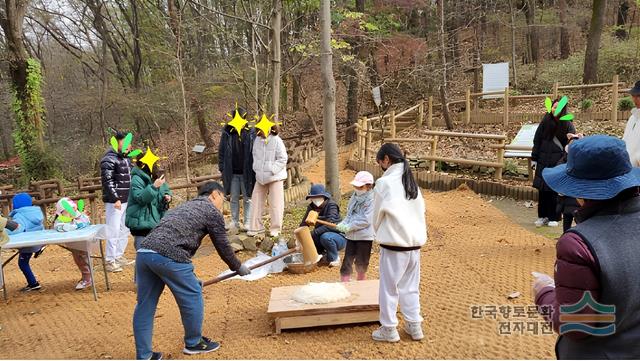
(475, 255)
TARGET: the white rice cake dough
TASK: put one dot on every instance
(321, 293)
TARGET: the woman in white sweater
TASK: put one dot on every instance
(401, 230)
(270, 164)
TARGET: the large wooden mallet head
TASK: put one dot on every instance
(312, 219)
(309, 252)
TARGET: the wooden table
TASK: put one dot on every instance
(362, 306)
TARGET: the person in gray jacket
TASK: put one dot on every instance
(358, 228)
(164, 258)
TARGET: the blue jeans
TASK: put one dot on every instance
(154, 271)
(137, 240)
(237, 186)
(331, 243)
(23, 263)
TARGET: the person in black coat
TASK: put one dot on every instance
(115, 172)
(328, 240)
(568, 205)
(549, 144)
(235, 163)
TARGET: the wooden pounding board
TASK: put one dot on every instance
(364, 297)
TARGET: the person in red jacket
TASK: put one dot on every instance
(594, 294)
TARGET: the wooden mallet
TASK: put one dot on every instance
(304, 245)
(312, 219)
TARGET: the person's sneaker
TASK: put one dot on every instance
(386, 334)
(30, 288)
(229, 225)
(37, 254)
(335, 263)
(244, 227)
(113, 266)
(204, 346)
(254, 233)
(123, 261)
(414, 329)
(273, 234)
(552, 224)
(82, 285)
(156, 356)
(541, 222)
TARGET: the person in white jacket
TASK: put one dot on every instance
(632, 131)
(270, 165)
(401, 230)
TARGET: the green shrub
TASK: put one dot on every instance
(586, 104)
(625, 103)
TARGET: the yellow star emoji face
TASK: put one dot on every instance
(265, 125)
(238, 122)
(149, 159)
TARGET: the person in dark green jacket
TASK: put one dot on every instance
(149, 198)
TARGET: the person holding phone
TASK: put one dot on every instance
(148, 201)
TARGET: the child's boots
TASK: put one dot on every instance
(414, 329)
(386, 334)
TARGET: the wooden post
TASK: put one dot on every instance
(420, 118)
(362, 139)
(500, 151)
(555, 91)
(430, 117)
(614, 99)
(506, 106)
(368, 141)
(467, 111)
(392, 117)
(434, 145)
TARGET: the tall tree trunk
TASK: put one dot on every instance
(621, 22)
(590, 74)
(276, 55)
(295, 92)
(443, 49)
(532, 31)
(205, 133)
(513, 44)
(565, 39)
(353, 88)
(30, 116)
(360, 5)
(329, 102)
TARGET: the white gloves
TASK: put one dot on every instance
(541, 281)
(534, 164)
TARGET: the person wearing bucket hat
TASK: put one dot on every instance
(328, 240)
(597, 260)
(632, 130)
(548, 148)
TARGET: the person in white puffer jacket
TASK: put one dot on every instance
(270, 165)
(401, 230)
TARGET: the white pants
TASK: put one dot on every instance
(117, 231)
(399, 280)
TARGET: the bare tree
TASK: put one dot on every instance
(590, 74)
(329, 102)
(276, 27)
(565, 39)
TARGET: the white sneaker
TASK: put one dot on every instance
(414, 329)
(123, 261)
(335, 263)
(386, 334)
(113, 266)
(541, 222)
(254, 233)
(274, 234)
(552, 224)
(82, 285)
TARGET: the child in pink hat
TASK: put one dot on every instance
(358, 228)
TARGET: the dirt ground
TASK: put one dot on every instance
(475, 255)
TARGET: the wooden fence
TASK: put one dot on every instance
(424, 109)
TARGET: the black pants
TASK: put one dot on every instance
(547, 205)
(358, 251)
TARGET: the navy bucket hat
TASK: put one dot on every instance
(317, 190)
(598, 168)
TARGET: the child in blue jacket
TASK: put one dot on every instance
(29, 219)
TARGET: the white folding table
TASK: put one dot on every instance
(85, 239)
